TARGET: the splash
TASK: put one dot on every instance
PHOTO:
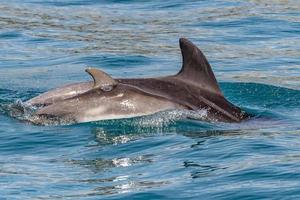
(18, 109)
(166, 118)
(26, 112)
(121, 131)
(157, 122)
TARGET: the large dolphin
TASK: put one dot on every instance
(194, 88)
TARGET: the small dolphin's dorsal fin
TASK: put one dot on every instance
(101, 79)
(196, 69)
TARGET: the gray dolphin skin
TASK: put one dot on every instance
(194, 88)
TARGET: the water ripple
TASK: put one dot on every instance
(253, 47)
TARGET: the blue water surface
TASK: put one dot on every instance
(253, 47)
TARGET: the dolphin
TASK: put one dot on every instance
(194, 87)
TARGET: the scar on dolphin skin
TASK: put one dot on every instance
(194, 87)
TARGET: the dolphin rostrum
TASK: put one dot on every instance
(194, 88)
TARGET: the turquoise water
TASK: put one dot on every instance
(254, 50)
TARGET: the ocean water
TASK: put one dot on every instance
(253, 47)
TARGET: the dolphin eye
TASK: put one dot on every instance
(106, 88)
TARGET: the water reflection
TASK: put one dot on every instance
(131, 186)
(124, 183)
(202, 170)
(100, 164)
(154, 157)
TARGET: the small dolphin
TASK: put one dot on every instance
(194, 88)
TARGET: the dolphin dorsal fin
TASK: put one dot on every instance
(101, 79)
(195, 68)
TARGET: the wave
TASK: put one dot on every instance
(272, 105)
